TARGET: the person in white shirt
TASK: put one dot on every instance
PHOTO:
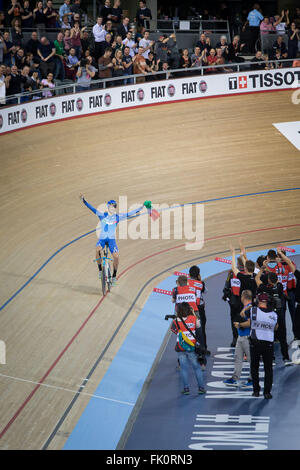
(146, 44)
(99, 33)
(281, 22)
(128, 42)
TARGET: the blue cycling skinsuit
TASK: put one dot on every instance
(109, 225)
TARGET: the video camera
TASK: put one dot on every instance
(167, 317)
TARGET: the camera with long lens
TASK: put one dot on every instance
(167, 317)
(83, 63)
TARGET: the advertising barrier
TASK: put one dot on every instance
(149, 93)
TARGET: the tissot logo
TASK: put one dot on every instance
(238, 82)
(107, 99)
(52, 109)
(171, 90)
(140, 94)
(23, 115)
(203, 86)
(79, 104)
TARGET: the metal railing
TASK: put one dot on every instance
(107, 83)
(198, 26)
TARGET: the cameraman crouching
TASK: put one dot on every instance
(184, 326)
(84, 74)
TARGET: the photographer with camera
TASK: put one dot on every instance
(184, 326)
(84, 74)
(274, 289)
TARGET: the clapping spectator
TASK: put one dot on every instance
(140, 66)
(128, 65)
(197, 57)
(13, 83)
(20, 58)
(16, 32)
(76, 35)
(223, 46)
(266, 26)
(185, 60)
(146, 44)
(51, 15)
(281, 22)
(14, 11)
(279, 44)
(67, 40)
(118, 67)
(129, 42)
(116, 13)
(119, 44)
(27, 15)
(105, 64)
(293, 41)
(234, 49)
(48, 83)
(39, 16)
(124, 28)
(143, 15)
(211, 59)
(203, 43)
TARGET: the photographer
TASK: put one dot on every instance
(84, 74)
(274, 289)
(184, 326)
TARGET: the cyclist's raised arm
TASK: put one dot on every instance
(130, 213)
(95, 211)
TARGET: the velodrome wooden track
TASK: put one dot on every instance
(175, 153)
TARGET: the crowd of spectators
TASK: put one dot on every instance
(118, 47)
(258, 293)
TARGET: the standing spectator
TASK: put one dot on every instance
(99, 33)
(16, 32)
(116, 13)
(124, 28)
(14, 11)
(33, 44)
(65, 10)
(13, 83)
(254, 18)
(76, 35)
(59, 57)
(140, 65)
(3, 49)
(279, 44)
(105, 11)
(46, 52)
(234, 49)
(7, 48)
(76, 8)
(203, 44)
(293, 41)
(146, 44)
(2, 19)
(242, 344)
(85, 41)
(109, 29)
(263, 321)
(129, 42)
(186, 323)
(161, 48)
(297, 18)
(108, 43)
(128, 65)
(281, 22)
(27, 16)
(143, 15)
(266, 26)
(185, 60)
(105, 65)
(20, 59)
(67, 40)
(39, 17)
(118, 67)
(119, 44)
(48, 83)
(51, 15)
(197, 58)
(84, 74)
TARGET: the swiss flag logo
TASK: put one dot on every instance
(243, 82)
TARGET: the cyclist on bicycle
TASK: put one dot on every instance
(109, 221)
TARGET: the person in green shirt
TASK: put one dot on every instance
(59, 57)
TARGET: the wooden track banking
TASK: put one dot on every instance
(177, 153)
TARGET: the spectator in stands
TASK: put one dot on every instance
(27, 16)
(14, 11)
(293, 41)
(85, 41)
(13, 83)
(161, 48)
(266, 26)
(153, 65)
(268, 64)
(65, 10)
(140, 65)
(185, 60)
(76, 35)
(254, 19)
(105, 11)
(48, 83)
(59, 57)
(116, 13)
(76, 8)
(35, 84)
(281, 22)
(39, 17)
(105, 65)
(33, 44)
(119, 44)
(118, 67)
(46, 52)
(128, 65)
(296, 62)
(65, 24)
(51, 15)
(108, 43)
(222, 44)
(211, 59)
(279, 44)
(67, 40)
(146, 44)
(20, 58)
(3, 49)
(234, 49)
(258, 58)
(7, 48)
(16, 32)
(129, 42)
(197, 57)
(99, 33)
(187, 322)
(203, 44)
(143, 15)
(220, 61)
(84, 74)
(297, 18)
(124, 28)
(2, 22)
(75, 18)
(2, 83)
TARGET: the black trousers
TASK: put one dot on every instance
(281, 334)
(297, 321)
(254, 36)
(202, 317)
(262, 349)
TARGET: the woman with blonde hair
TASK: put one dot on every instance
(118, 68)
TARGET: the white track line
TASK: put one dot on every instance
(67, 389)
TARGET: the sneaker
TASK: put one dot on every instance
(274, 362)
(231, 382)
(201, 390)
(186, 391)
(287, 362)
(268, 396)
(255, 394)
(247, 384)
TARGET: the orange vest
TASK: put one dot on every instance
(198, 285)
(190, 321)
(186, 294)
